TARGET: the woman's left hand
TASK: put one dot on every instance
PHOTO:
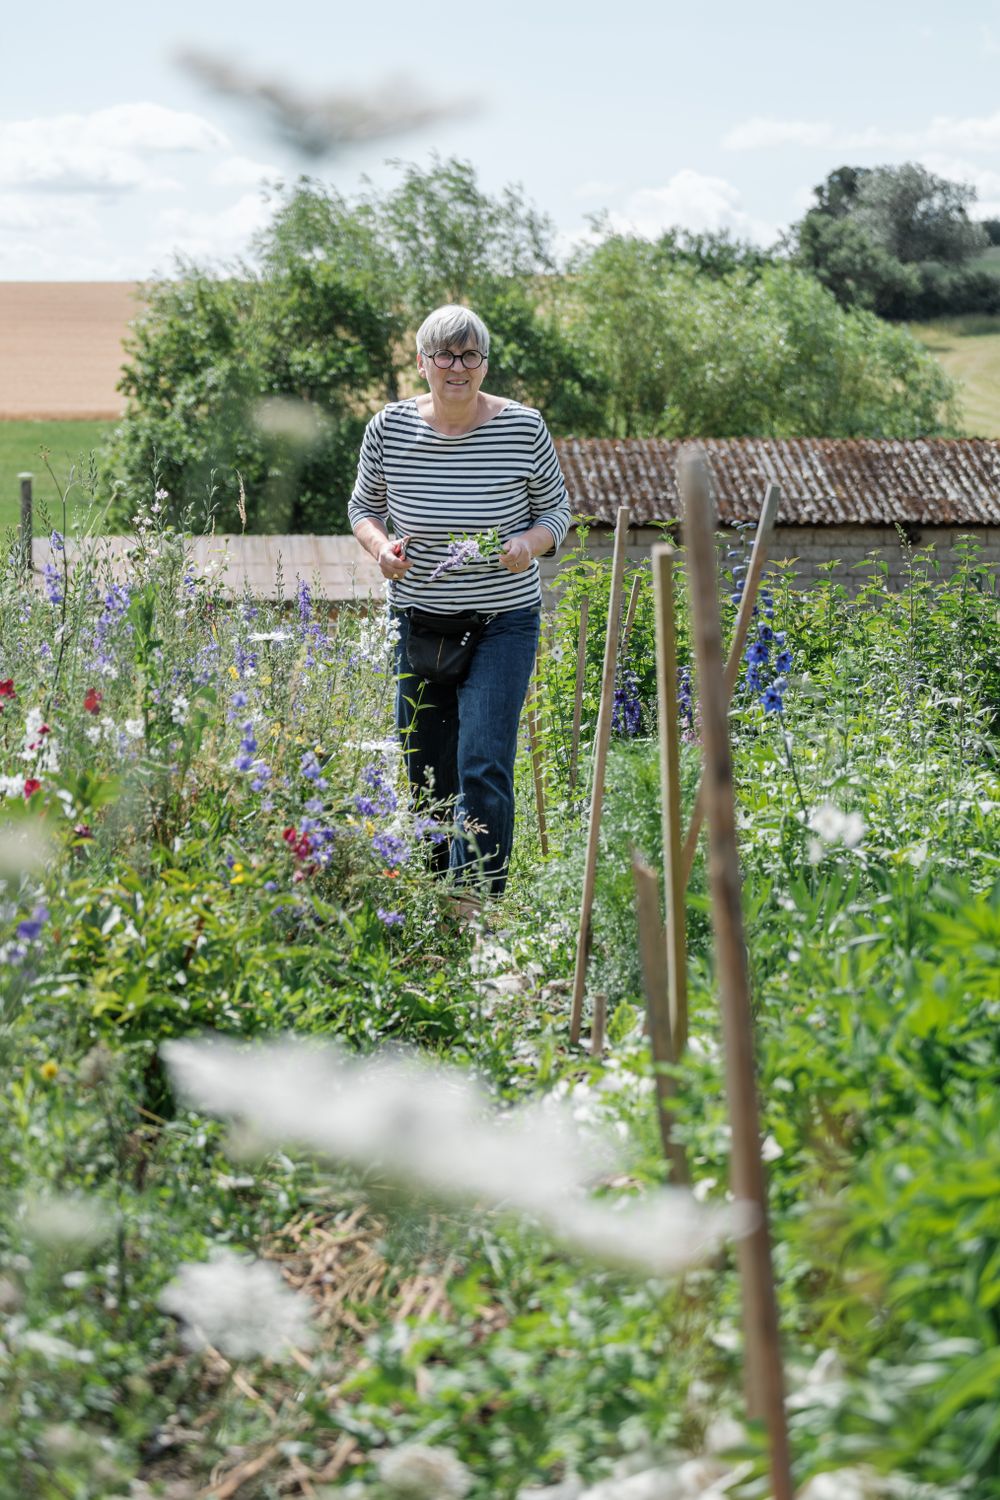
(517, 555)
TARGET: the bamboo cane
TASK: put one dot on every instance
(599, 1023)
(765, 1396)
(633, 601)
(581, 672)
(601, 739)
(670, 793)
(755, 571)
(653, 957)
(534, 740)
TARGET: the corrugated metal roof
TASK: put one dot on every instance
(824, 481)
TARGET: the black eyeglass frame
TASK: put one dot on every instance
(437, 354)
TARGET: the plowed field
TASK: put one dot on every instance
(61, 348)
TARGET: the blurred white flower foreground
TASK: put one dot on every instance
(432, 1130)
(239, 1306)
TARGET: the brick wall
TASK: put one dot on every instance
(812, 546)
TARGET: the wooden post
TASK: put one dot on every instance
(27, 520)
(633, 600)
(653, 956)
(581, 672)
(599, 1024)
(601, 740)
(670, 793)
(534, 739)
(755, 571)
(765, 1394)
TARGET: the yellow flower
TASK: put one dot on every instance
(234, 674)
(49, 1070)
(266, 681)
(318, 749)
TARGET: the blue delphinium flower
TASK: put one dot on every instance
(53, 583)
(380, 800)
(626, 713)
(390, 848)
(783, 661)
(772, 700)
(685, 697)
(310, 768)
(757, 653)
(248, 748)
(31, 927)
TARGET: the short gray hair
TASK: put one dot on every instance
(449, 325)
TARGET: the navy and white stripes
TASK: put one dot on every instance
(430, 487)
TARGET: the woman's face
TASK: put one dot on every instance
(458, 384)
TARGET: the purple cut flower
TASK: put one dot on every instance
(390, 918)
(459, 553)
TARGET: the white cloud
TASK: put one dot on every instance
(595, 187)
(106, 151)
(985, 181)
(210, 236)
(243, 171)
(943, 132)
(694, 201)
(761, 133)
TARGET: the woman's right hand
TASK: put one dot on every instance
(392, 559)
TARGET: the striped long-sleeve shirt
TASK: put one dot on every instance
(430, 487)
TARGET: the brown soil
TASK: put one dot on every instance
(61, 348)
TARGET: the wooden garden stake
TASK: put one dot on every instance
(765, 1393)
(633, 601)
(534, 740)
(670, 792)
(755, 571)
(599, 1024)
(653, 957)
(581, 670)
(601, 739)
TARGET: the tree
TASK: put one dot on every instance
(854, 267)
(686, 355)
(917, 216)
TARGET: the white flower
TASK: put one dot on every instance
(134, 728)
(66, 1221)
(93, 733)
(836, 827)
(239, 1306)
(269, 635)
(54, 1349)
(417, 1472)
(11, 786)
(433, 1129)
(178, 708)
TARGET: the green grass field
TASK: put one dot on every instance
(67, 443)
(969, 349)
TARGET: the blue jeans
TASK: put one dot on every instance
(466, 737)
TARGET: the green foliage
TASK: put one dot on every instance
(899, 241)
(178, 895)
(763, 354)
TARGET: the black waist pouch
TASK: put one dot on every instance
(439, 647)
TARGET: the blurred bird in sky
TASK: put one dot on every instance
(322, 124)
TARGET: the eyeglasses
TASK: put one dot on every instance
(470, 359)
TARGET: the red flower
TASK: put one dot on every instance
(92, 700)
(31, 786)
(7, 689)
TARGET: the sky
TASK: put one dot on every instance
(115, 157)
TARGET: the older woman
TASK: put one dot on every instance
(458, 461)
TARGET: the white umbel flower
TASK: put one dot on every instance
(239, 1306)
(416, 1472)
